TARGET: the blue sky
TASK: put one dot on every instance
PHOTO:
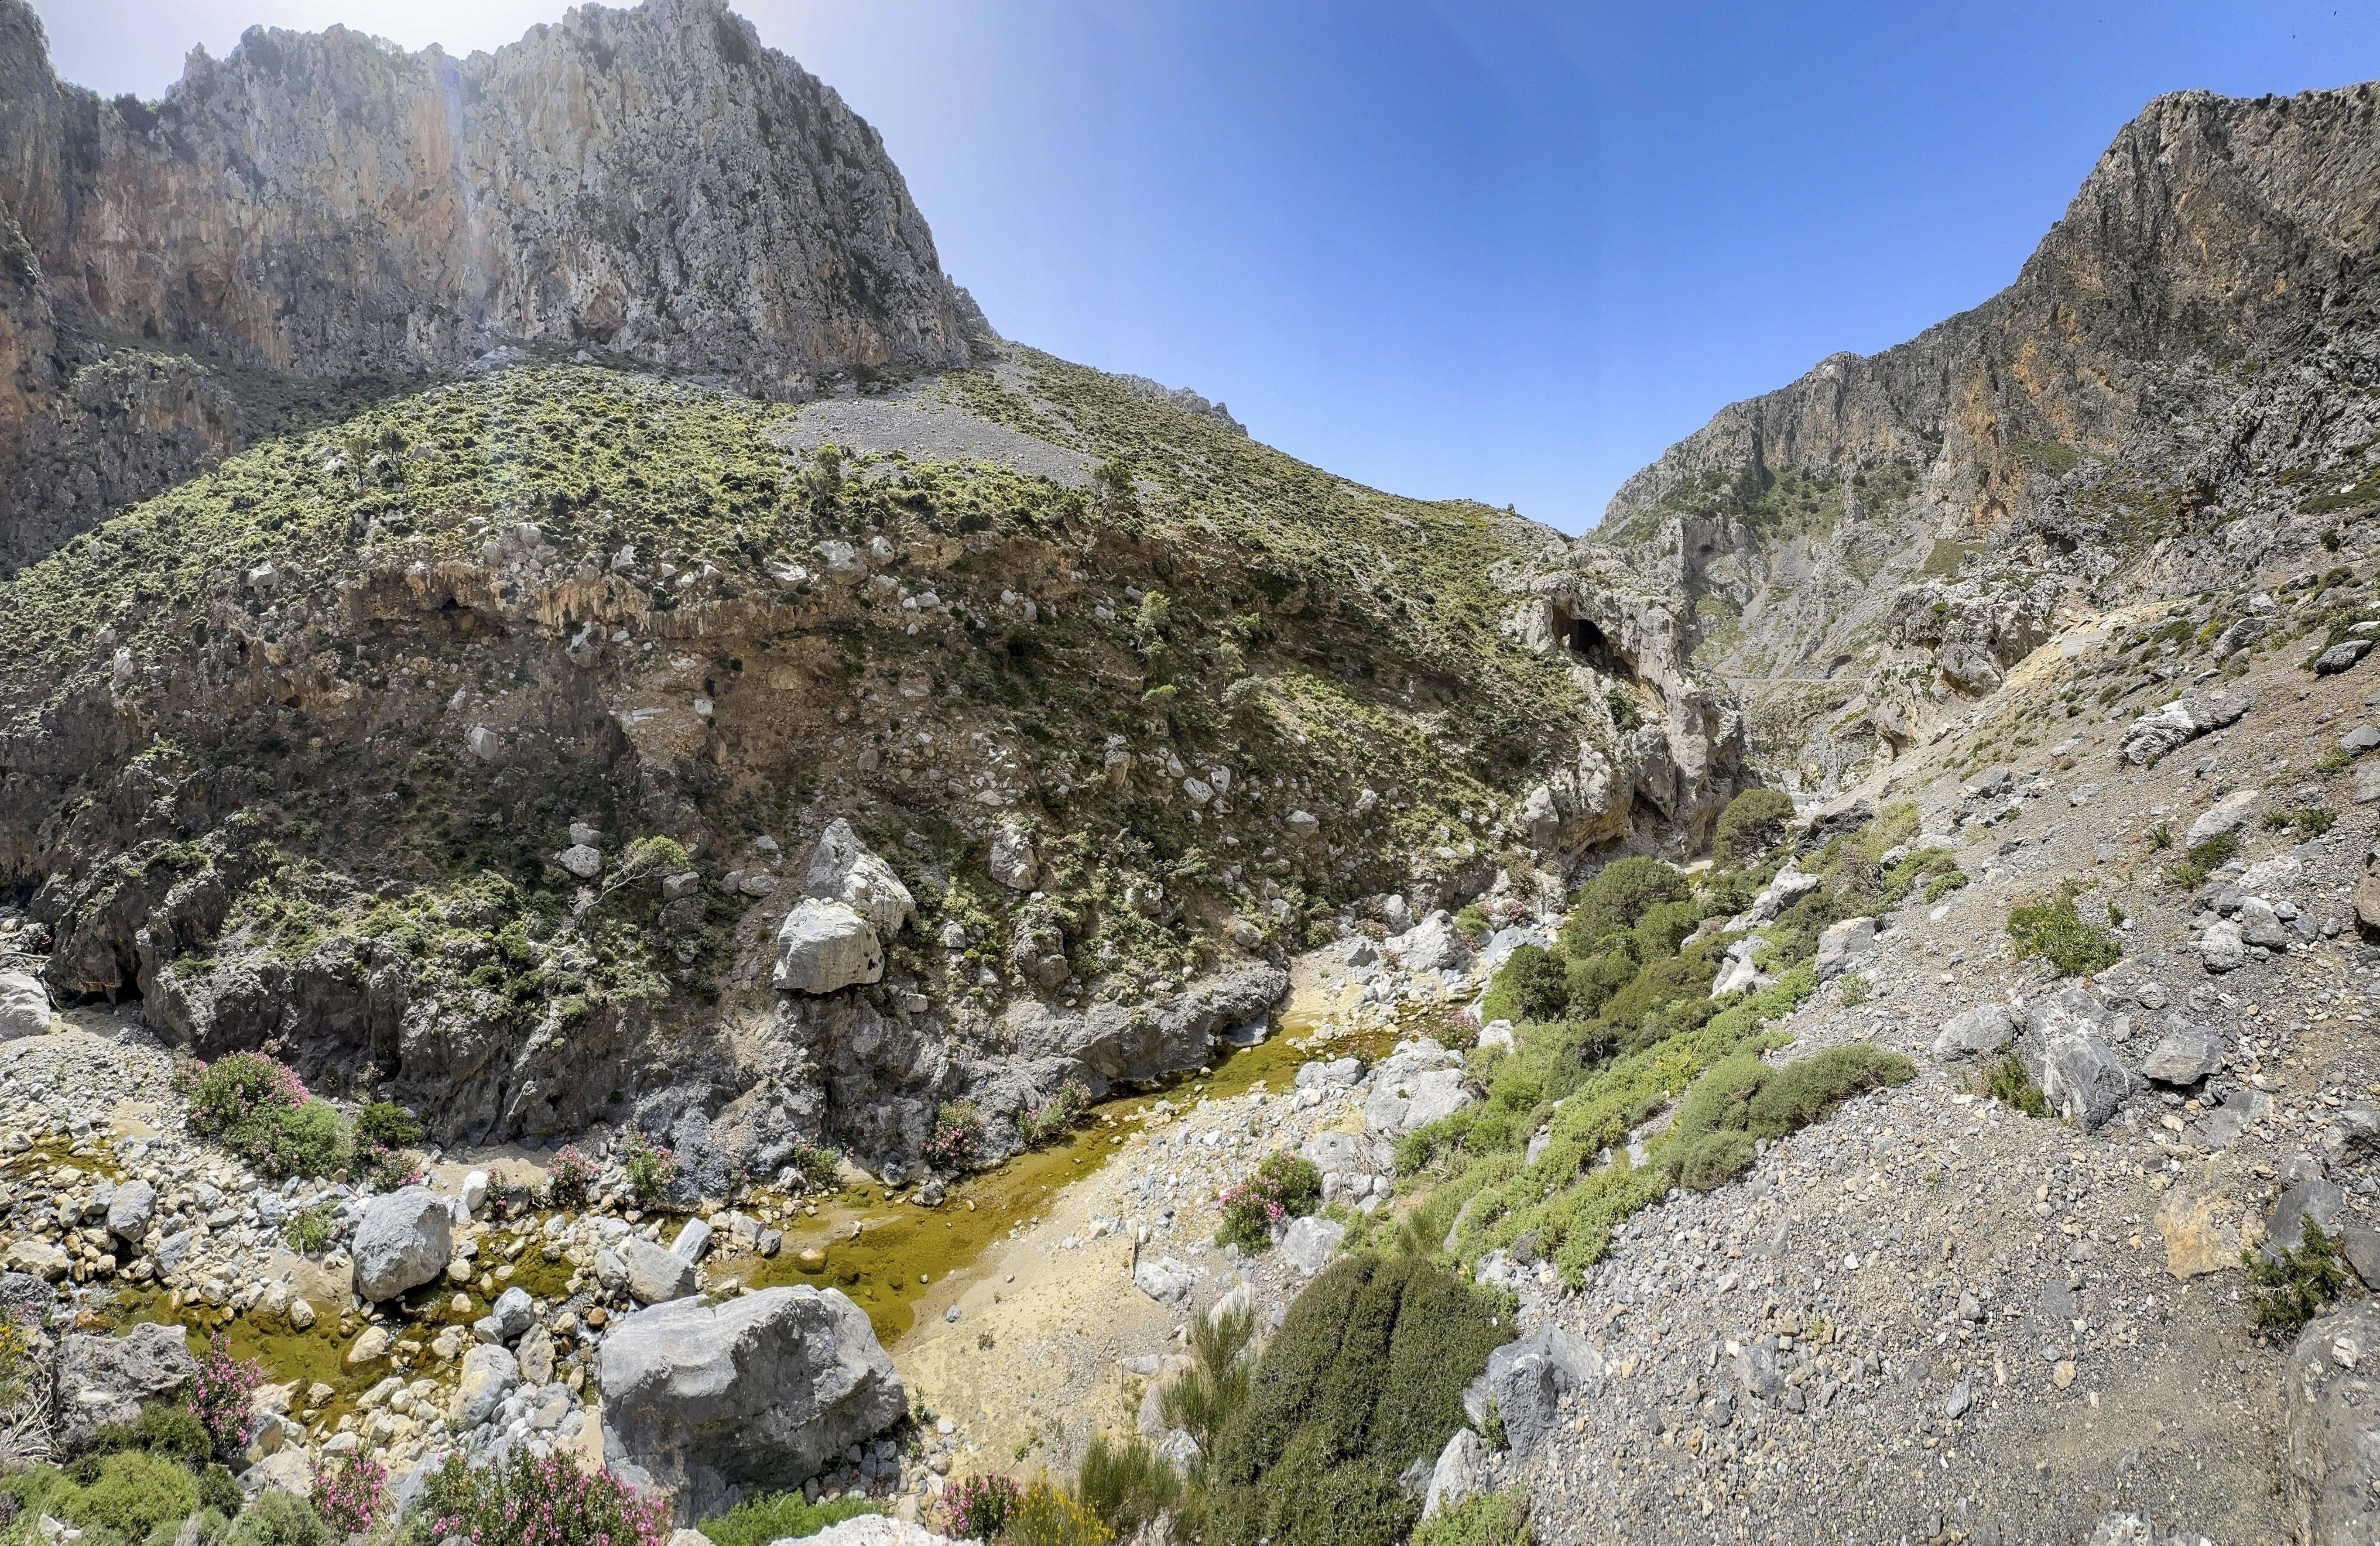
(1500, 248)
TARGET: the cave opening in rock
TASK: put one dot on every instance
(1586, 642)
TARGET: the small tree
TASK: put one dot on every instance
(1213, 1389)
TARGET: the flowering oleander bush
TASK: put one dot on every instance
(1284, 1188)
(652, 1167)
(217, 1396)
(532, 1501)
(956, 1141)
(385, 1132)
(982, 1505)
(256, 1106)
(349, 1491)
(814, 1163)
(570, 1180)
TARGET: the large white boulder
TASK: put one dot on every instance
(759, 1394)
(24, 1005)
(1309, 1243)
(1416, 1087)
(105, 1379)
(842, 870)
(403, 1241)
(823, 946)
(488, 1375)
(2228, 814)
(1432, 945)
(655, 1276)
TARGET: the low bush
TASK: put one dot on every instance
(311, 1232)
(780, 1516)
(814, 1163)
(130, 1493)
(570, 1179)
(1619, 894)
(525, 1501)
(955, 1142)
(981, 1506)
(1472, 923)
(2010, 1085)
(2203, 860)
(279, 1517)
(1483, 1519)
(1532, 985)
(349, 1491)
(257, 1107)
(385, 1131)
(2299, 1286)
(652, 1167)
(1363, 1379)
(1128, 1486)
(1742, 1101)
(1283, 1186)
(172, 1432)
(217, 1396)
(2053, 929)
(1055, 1117)
(1204, 1398)
(1943, 885)
(1751, 825)
(1047, 1515)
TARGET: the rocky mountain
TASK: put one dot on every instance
(658, 654)
(2175, 389)
(648, 184)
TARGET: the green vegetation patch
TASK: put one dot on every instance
(1744, 1100)
(1364, 1378)
(2052, 929)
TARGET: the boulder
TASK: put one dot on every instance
(1416, 1087)
(105, 1379)
(1528, 1380)
(2367, 782)
(1340, 1073)
(2330, 1407)
(1309, 1244)
(2311, 1200)
(1974, 1032)
(2168, 725)
(2185, 1054)
(24, 1005)
(825, 946)
(536, 1356)
(842, 870)
(2227, 815)
(2260, 925)
(1336, 1151)
(514, 1313)
(654, 1275)
(1432, 945)
(2221, 949)
(404, 1240)
(1459, 1474)
(2078, 1074)
(761, 1392)
(2363, 739)
(1165, 1279)
(2342, 656)
(488, 1375)
(1013, 863)
(581, 860)
(473, 1192)
(1845, 947)
(129, 1210)
(693, 1239)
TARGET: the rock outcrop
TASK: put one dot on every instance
(106, 1378)
(760, 1393)
(649, 182)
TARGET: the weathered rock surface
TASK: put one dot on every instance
(2331, 1415)
(105, 1379)
(655, 1275)
(1974, 1032)
(1419, 1084)
(24, 1005)
(760, 1393)
(842, 869)
(824, 947)
(404, 1240)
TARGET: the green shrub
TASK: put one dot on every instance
(525, 1501)
(2203, 860)
(161, 1429)
(311, 1232)
(387, 1124)
(130, 1493)
(258, 1108)
(1751, 825)
(2299, 1286)
(1742, 1100)
(1284, 1186)
(1365, 1376)
(1532, 985)
(1592, 979)
(1472, 923)
(1620, 893)
(1943, 885)
(1207, 1396)
(1855, 990)
(2010, 1085)
(1127, 1485)
(2053, 929)
(1483, 1519)
(758, 1521)
(1047, 1516)
(280, 1519)
(652, 1167)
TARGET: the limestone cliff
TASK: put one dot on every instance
(2168, 386)
(650, 184)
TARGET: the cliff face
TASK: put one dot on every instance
(2183, 349)
(650, 184)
